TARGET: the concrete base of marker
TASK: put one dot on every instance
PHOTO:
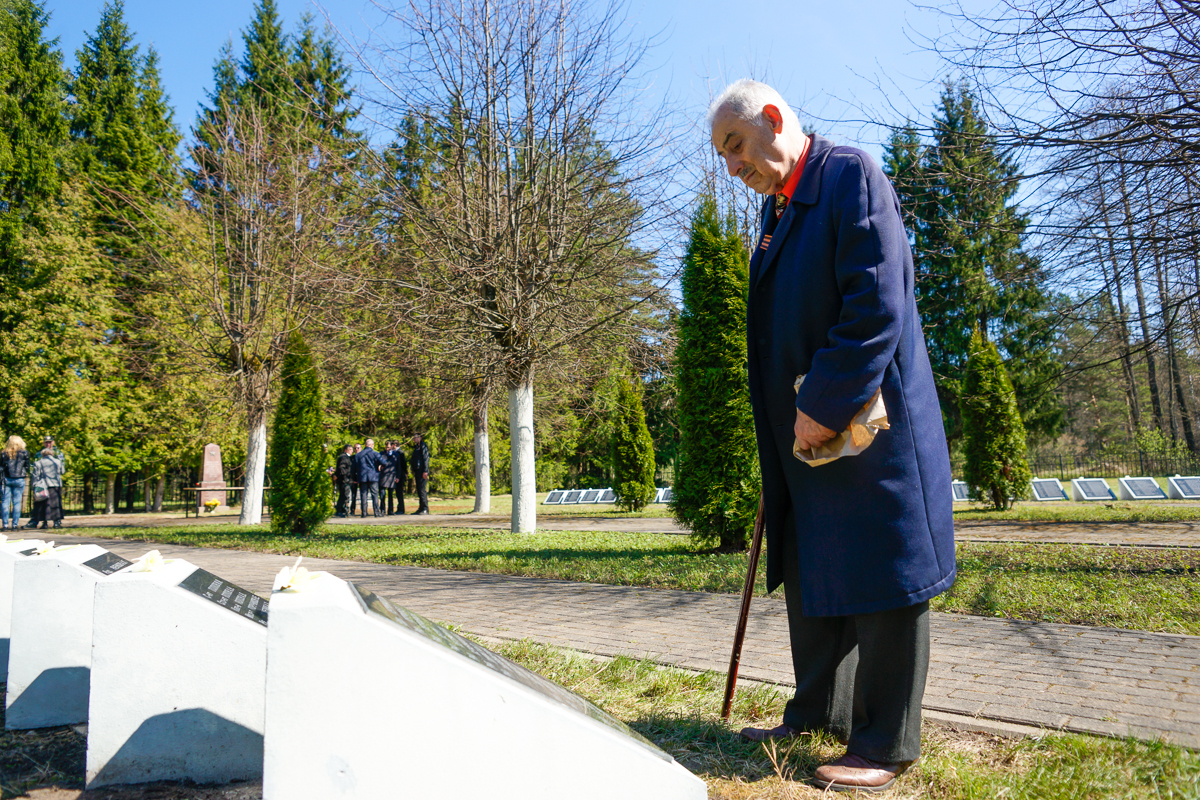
(397, 711)
(50, 655)
(177, 684)
(10, 553)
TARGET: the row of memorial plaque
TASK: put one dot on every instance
(1092, 489)
(570, 497)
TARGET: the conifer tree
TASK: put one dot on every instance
(971, 269)
(300, 489)
(717, 479)
(633, 450)
(995, 468)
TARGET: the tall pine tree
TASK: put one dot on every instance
(971, 269)
(717, 481)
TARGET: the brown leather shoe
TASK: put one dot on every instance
(763, 734)
(852, 772)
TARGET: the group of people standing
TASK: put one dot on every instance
(362, 473)
(44, 473)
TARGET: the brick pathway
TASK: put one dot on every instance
(1094, 680)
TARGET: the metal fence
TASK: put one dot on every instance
(85, 494)
(1107, 465)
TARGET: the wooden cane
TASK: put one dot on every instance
(747, 592)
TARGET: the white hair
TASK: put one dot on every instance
(747, 98)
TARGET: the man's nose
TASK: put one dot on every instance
(734, 165)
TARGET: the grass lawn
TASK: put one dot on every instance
(1152, 589)
(679, 711)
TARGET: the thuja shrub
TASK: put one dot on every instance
(995, 468)
(300, 486)
(633, 450)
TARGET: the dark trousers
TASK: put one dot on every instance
(343, 497)
(353, 496)
(859, 677)
(389, 493)
(369, 490)
(422, 492)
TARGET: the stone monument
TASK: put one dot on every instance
(179, 669)
(212, 479)
(11, 551)
(401, 700)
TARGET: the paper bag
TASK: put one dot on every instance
(852, 441)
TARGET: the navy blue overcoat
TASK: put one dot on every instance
(832, 298)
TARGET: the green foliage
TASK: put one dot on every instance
(995, 468)
(717, 481)
(971, 268)
(300, 489)
(633, 450)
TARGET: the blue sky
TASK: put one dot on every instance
(838, 64)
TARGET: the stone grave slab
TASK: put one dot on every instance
(1139, 489)
(961, 493)
(571, 497)
(11, 551)
(178, 678)
(554, 498)
(50, 655)
(1047, 489)
(607, 496)
(590, 496)
(1090, 490)
(409, 709)
(1184, 488)
(667, 495)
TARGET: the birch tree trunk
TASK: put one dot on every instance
(256, 466)
(483, 463)
(110, 493)
(159, 488)
(524, 474)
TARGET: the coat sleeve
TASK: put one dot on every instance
(870, 265)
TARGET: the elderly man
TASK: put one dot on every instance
(861, 543)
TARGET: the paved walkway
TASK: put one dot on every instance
(1093, 680)
(1156, 534)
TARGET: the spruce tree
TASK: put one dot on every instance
(971, 269)
(633, 450)
(300, 489)
(717, 481)
(995, 468)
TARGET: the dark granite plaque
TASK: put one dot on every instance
(1046, 489)
(554, 498)
(1144, 488)
(1189, 487)
(28, 552)
(607, 496)
(571, 497)
(960, 491)
(373, 603)
(590, 496)
(107, 563)
(667, 495)
(240, 601)
(1094, 489)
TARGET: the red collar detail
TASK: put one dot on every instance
(789, 188)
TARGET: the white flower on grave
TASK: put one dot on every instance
(44, 547)
(151, 562)
(3, 538)
(294, 578)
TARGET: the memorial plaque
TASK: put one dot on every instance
(667, 495)
(607, 496)
(571, 497)
(554, 498)
(590, 496)
(28, 552)
(373, 603)
(961, 494)
(240, 601)
(1185, 488)
(107, 563)
(1092, 489)
(1048, 489)
(1141, 489)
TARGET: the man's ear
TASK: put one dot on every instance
(773, 117)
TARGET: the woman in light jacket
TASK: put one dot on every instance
(14, 467)
(46, 473)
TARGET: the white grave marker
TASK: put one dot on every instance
(11, 551)
(960, 491)
(50, 656)
(1184, 488)
(1090, 489)
(1045, 489)
(406, 708)
(554, 498)
(179, 668)
(1139, 489)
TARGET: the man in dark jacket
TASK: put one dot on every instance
(418, 462)
(861, 543)
(392, 471)
(343, 473)
(368, 463)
